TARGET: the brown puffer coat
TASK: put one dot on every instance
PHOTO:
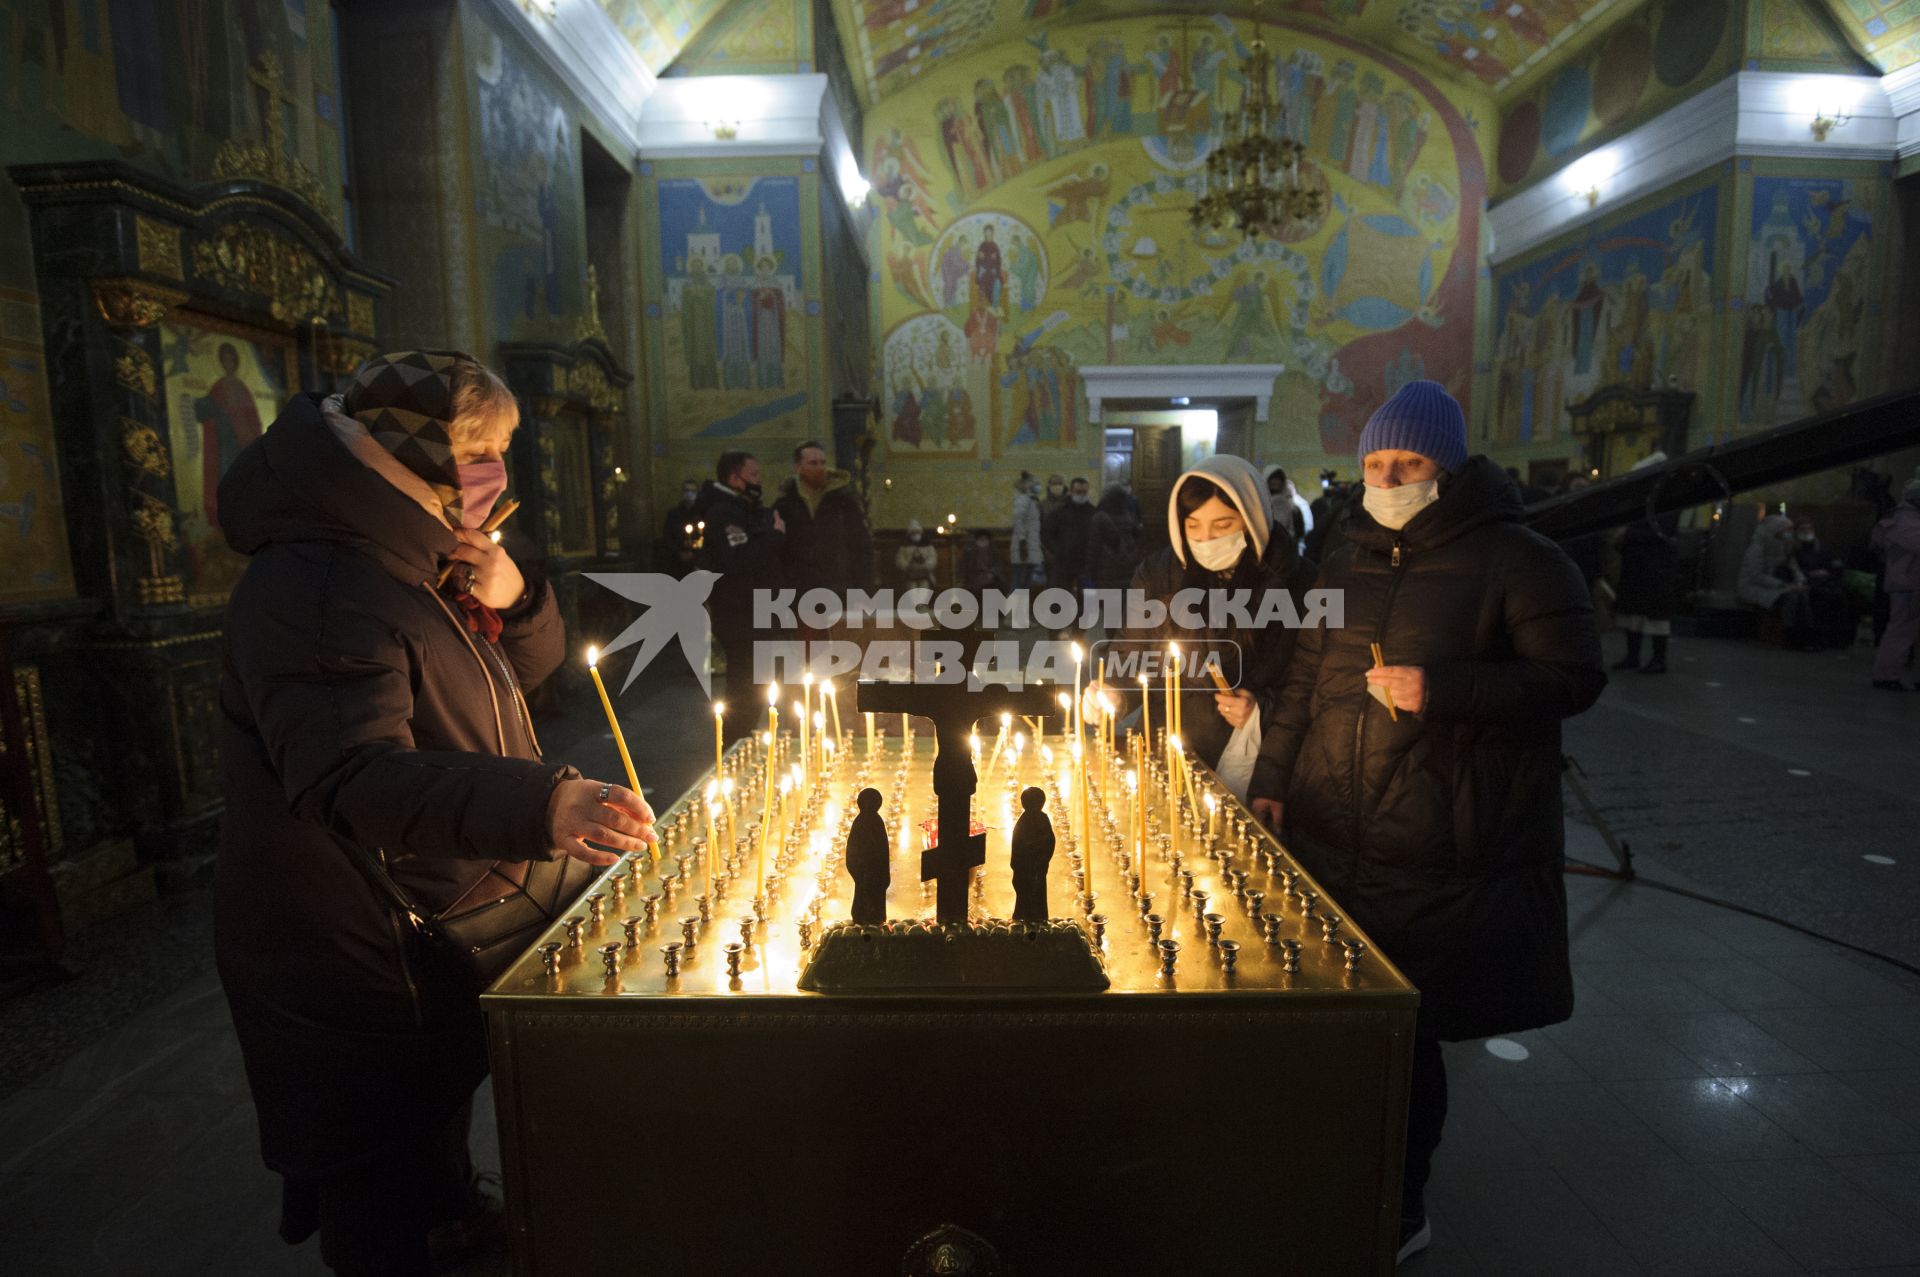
(357, 708)
(1442, 834)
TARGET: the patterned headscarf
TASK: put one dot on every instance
(405, 400)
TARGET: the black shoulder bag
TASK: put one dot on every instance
(499, 917)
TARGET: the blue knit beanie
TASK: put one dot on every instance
(1421, 417)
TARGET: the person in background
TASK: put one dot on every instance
(1649, 583)
(1055, 499)
(1112, 547)
(979, 568)
(745, 543)
(1435, 817)
(1285, 506)
(1898, 538)
(1833, 615)
(366, 715)
(677, 555)
(1065, 534)
(828, 545)
(1221, 537)
(1027, 558)
(916, 559)
(1771, 580)
(1330, 517)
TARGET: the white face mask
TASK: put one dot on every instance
(1393, 507)
(1220, 553)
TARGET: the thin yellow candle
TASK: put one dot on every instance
(1213, 818)
(869, 733)
(800, 712)
(1173, 783)
(806, 715)
(726, 810)
(1175, 720)
(766, 796)
(833, 701)
(1138, 801)
(904, 730)
(719, 749)
(1146, 721)
(619, 737)
(713, 840)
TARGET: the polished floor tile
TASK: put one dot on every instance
(1704, 1119)
(1724, 1043)
(1674, 1222)
(1816, 1213)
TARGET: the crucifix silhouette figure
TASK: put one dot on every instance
(954, 709)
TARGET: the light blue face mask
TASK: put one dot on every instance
(1220, 553)
(1393, 508)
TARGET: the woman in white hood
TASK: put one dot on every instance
(1220, 536)
(1285, 504)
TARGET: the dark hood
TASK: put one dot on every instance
(1114, 503)
(1481, 493)
(298, 482)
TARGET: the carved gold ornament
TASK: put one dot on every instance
(157, 245)
(586, 381)
(143, 448)
(341, 355)
(136, 372)
(360, 313)
(133, 303)
(268, 161)
(251, 259)
(153, 523)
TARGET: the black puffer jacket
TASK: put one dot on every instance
(1649, 570)
(1441, 835)
(357, 709)
(742, 545)
(1264, 654)
(829, 544)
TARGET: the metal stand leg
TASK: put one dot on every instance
(1622, 854)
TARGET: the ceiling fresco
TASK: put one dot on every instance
(659, 29)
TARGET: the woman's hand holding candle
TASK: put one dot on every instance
(576, 813)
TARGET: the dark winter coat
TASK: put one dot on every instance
(743, 546)
(1113, 549)
(356, 708)
(1264, 654)
(1649, 570)
(829, 544)
(1441, 834)
(1065, 533)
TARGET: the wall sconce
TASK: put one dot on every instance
(1593, 195)
(1824, 124)
(725, 130)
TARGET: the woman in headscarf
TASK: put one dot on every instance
(1220, 538)
(1772, 581)
(916, 560)
(371, 715)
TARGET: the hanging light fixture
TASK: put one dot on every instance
(1252, 177)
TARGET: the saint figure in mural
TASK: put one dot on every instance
(1589, 309)
(1759, 366)
(933, 415)
(957, 143)
(735, 373)
(1074, 197)
(697, 344)
(906, 418)
(1026, 271)
(229, 421)
(1023, 104)
(1111, 78)
(769, 326)
(1254, 326)
(996, 127)
(1788, 306)
(989, 273)
(903, 214)
(960, 423)
(953, 271)
(1632, 360)
(1063, 124)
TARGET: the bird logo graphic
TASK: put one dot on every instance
(675, 608)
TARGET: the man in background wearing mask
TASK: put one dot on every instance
(1054, 501)
(744, 541)
(1064, 532)
(676, 543)
(1425, 794)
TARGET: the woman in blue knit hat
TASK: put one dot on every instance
(1424, 794)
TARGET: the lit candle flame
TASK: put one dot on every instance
(773, 694)
(593, 657)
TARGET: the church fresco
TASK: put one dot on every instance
(1080, 149)
(1630, 300)
(734, 329)
(1803, 315)
(1665, 52)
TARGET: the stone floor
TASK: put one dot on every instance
(1732, 1095)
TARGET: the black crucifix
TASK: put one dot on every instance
(954, 709)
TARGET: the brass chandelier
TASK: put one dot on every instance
(1252, 176)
